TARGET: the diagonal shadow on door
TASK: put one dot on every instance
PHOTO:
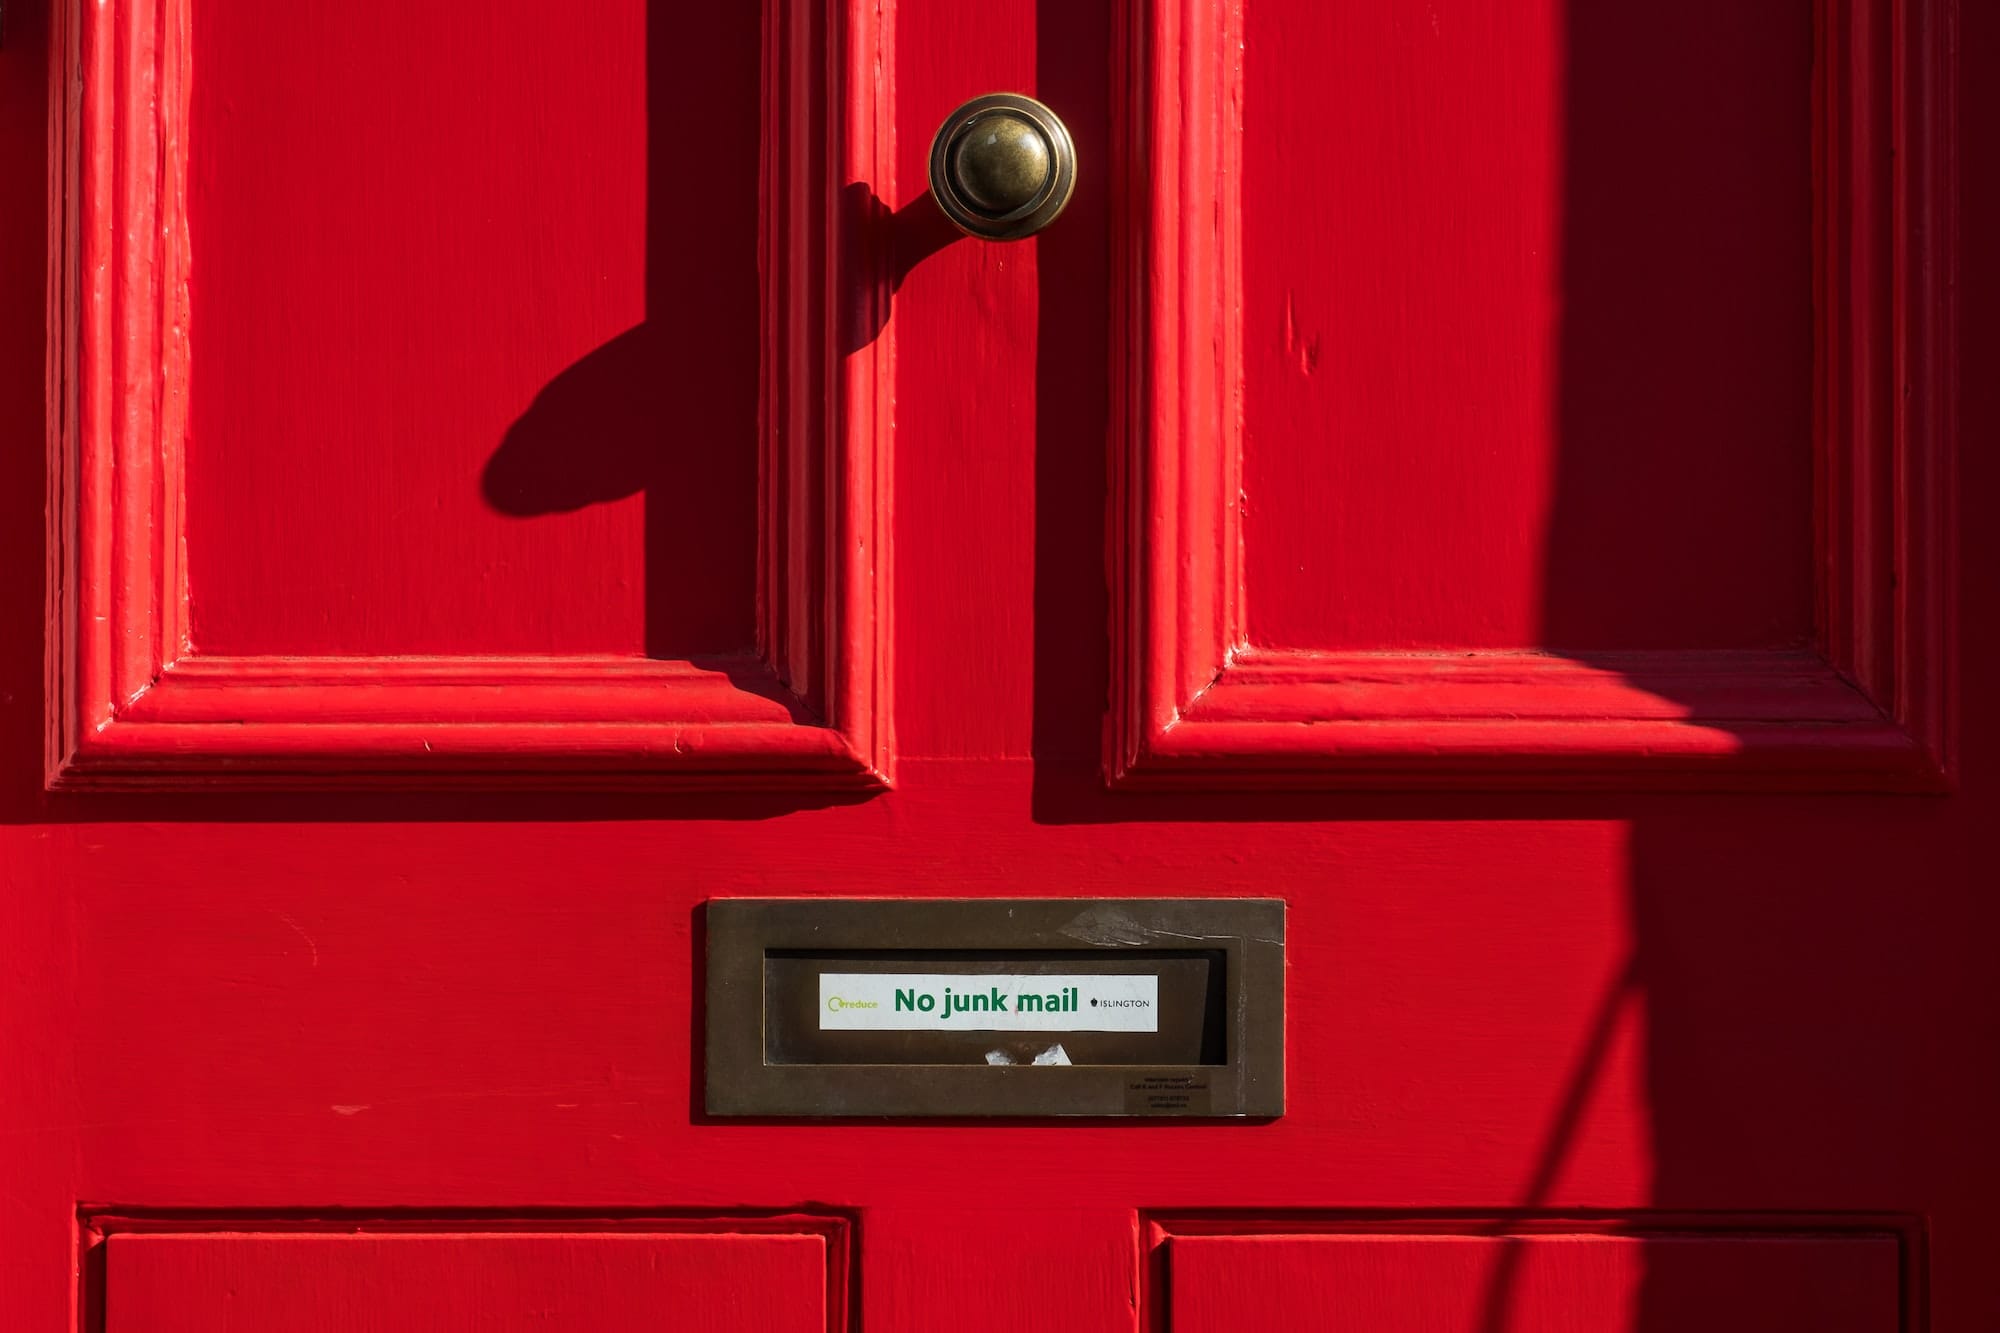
(1772, 937)
(668, 409)
(1765, 975)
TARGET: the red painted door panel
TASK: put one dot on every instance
(1577, 1283)
(493, 479)
(353, 273)
(306, 1283)
(1471, 342)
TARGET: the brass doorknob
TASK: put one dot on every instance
(1002, 166)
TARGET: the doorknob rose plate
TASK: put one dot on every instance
(1002, 167)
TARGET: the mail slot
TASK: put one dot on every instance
(995, 1007)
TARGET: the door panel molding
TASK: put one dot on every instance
(1869, 708)
(218, 1241)
(1869, 1269)
(134, 702)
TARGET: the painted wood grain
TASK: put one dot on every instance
(1199, 699)
(1469, 421)
(439, 313)
(565, 1283)
(261, 1008)
(800, 701)
(1497, 1284)
(983, 1266)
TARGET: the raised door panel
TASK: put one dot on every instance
(1575, 1283)
(422, 424)
(1529, 395)
(431, 1283)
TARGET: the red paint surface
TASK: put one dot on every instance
(563, 1283)
(433, 312)
(1199, 701)
(137, 701)
(1528, 361)
(1591, 1284)
(1746, 1010)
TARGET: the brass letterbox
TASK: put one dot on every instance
(995, 1007)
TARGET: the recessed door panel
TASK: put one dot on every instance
(1499, 1283)
(446, 364)
(1509, 401)
(458, 413)
(1539, 376)
(432, 1283)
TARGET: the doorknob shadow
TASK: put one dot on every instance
(904, 237)
(918, 230)
(629, 418)
(574, 445)
(666, 409)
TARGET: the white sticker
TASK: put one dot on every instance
(943, 1001)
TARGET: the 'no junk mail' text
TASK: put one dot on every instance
(975, 1002)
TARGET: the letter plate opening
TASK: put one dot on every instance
(995, 1007)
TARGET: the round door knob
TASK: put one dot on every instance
(1002, 167)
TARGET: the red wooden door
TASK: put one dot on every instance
(495, 479)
